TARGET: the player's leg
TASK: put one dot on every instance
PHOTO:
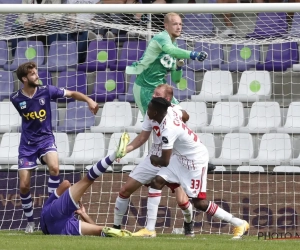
(95, 230)
(142, 174)
(142, 97)
(48, 155)
(187, 211)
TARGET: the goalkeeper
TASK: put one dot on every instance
(161, 56)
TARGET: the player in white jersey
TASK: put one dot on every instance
(145, 171)
(183, 160)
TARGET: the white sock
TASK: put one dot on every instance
(120, 209)
(215, 211)
(187, 211)
(154, 197)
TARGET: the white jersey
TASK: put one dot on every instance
(149, 125)
(174, 134)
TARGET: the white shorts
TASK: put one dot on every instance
(144, 172)
(193, 180)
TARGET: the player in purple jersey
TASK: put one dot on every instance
(58, 212)
(37, 140)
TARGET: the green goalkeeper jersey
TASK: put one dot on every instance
(158, 59)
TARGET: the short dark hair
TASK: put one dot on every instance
(24, 68)
(161, 104)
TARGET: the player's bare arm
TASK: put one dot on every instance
(93, 106)
(138, 141)
(185, 116)
(84, 216)
(162, 161)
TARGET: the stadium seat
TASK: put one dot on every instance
(131, 52)
(3, 53)
(198, 24)
(100, 55)
(54, 115)
(128, 158)
(220, 169)
(62, 144)
(183, 90)
(269, 25)
(44, 78)
(74, 81)
(88, 148)
(198, 114)
(227, 117)
(286, 169)
(264, 117)
(236, 150)
(115, 117)
(6, 84)
(137, 127)
(216, 86)
(214, 59)
(209, 142)
(254, 86)
(242, 57)
(108, 85)
(78, 118)
(295, 28)
(62, 56)
(292, 123)
(250, 169)
(10, 119)
(128, 96)
(280, 57)
(274, 149)
(27, 51)
(9, 148)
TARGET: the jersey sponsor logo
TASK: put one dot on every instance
(41, 115)
(165, 139)
(156, 130)
(42, 101)
(22, 105)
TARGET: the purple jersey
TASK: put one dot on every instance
(36, 113)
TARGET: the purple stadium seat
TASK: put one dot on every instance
(242, 57)
(280, 56)
(108, 85)
(6, 84)
(45, 78)
(54, 115)
(100, 55)
(185, 88)
(132, 51)
(3, 53)
(214, 60)
(128, 96)
(27, 51)
(198, 24)
(269, 25)
(78, 118)
(295, 29)
(74, 81)
(62, 55)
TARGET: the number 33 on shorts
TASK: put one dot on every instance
(195, 184)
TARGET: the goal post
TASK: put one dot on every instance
(242, 102)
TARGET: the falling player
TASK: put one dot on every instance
(183, 160)
(37, 140)
(145, 171)
(159, 59)
(58, 212)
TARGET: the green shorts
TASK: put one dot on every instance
(142, 97)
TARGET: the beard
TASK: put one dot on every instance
(33, 84)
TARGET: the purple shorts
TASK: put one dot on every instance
(58, 216)
(28, 154)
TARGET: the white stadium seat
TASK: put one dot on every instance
(216, 86)
(10, 119)
(250, 169)
(9, 148)
(115, 117)
(227, 117)
(137, 127)
(254, 86)
(264, 117)
(292, 123)
(209, 142)
(286, 169)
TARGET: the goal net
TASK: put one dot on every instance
(242, 101)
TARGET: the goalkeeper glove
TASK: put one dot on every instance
(198, 56)
(179, 63)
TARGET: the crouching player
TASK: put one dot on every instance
(58, 212)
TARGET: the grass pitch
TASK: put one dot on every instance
(18, 240)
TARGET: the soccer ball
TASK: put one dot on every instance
(167, 61)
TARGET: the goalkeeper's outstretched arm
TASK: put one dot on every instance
(183, 54)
